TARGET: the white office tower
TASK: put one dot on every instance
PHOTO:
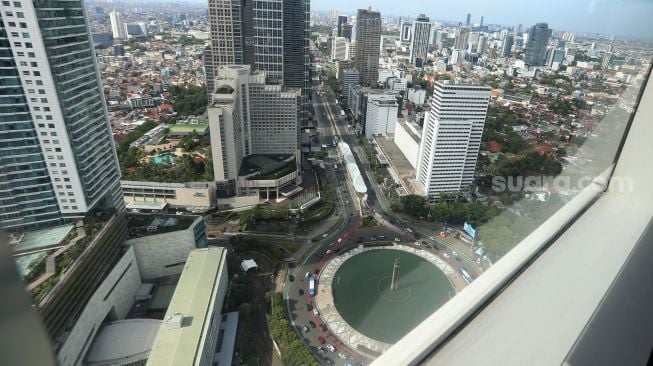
(419, 44)
(118, 27)
(451, 137)
(339, 49)
(248, 117)
(381, 114)
(57, 155)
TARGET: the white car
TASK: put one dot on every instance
(446, 255)
(331, 347)
(315, 311)
(342, 355)
(418, 243)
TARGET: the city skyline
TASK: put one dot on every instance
(623, 18)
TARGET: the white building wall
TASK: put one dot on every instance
(381, 115)
(115, 295)
(406, 143)
(164, 254)
(210, 337)
(451, 137)
(417, 96)
(339, 49)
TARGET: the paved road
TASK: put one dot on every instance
(329, 124)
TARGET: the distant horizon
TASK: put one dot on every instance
(626, 19)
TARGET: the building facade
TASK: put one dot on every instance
(538, 39)
(462, 39)
(342, 20)
(381, 115)
(368, 43)
(269, 35)
(350, 77)
(58, 158)
(248, 117)
(451, 138)
(118, 27)
(339, 49)
(419, 45)
(506, 46)
(199, 296)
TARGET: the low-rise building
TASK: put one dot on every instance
(192, 196)
(191, 325)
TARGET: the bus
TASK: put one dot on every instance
(311, 285)
(468, 278)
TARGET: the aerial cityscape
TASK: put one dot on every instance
(261, 183)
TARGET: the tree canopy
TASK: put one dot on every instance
(189, 101)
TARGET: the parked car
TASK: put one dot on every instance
(315, 311)
(331, 347)
(309, 307)
(301, 291)
(312, 324)
(342, 355)
(323, 327)
(306, 329)
(321, 340)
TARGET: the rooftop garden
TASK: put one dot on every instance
(44, 274)
(139, 225)
(190, 161)
(261, 167)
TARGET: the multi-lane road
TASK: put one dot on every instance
(330, 124)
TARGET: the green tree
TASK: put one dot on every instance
(189, 101)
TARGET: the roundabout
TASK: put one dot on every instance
(370, 297)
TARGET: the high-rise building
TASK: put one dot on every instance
(469, 19)
(506, 46)
(269, 35)
(342, 20)
(226, 34)
(118, 27)
(482, 45)
(248, 117)
(451, 137)
(538, 38)
(339, 49)
(420, 43)
(481, 24)
(406, 33)
(472, 41)
(57, 160)
(441, 39)
(607, 58)
(349, 77)
(346, 31)
(554, 57)
(368, 43)
(381, 115)
(462, 39)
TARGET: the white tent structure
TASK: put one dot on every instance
(248, 264)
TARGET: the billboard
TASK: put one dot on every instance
(469, 230)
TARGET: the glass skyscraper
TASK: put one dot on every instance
(57, 157)
(538, 38)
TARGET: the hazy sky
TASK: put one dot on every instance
(631, 18)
